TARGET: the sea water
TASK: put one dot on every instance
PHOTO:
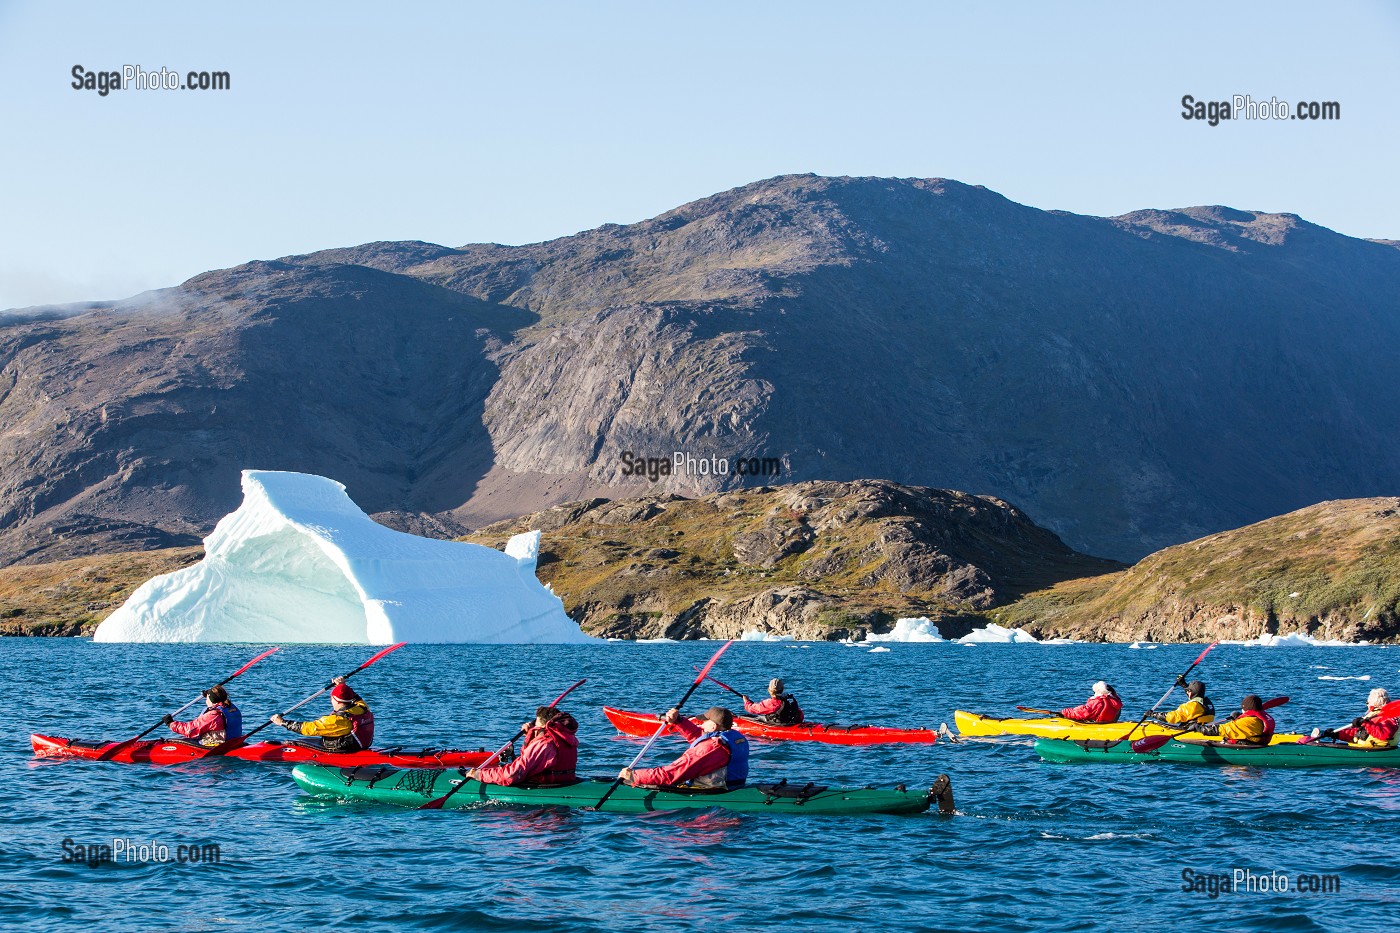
(1034, 846)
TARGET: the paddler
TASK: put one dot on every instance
(1371, 730)
(717, 759)
(1250, 726)
(348, 728)
(220, 722)
(1103, 706)
(779, 709)
(548, 757)
(1197, 709)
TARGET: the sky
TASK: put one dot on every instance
(518, 122)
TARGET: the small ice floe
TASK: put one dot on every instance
(875, 650)
(995, 634)
(921, 629)
(1330, 677)
(1146, 645)
(756, 635)
(1293, 640)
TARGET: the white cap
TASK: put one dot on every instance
(1378, 698)
(1100, 688)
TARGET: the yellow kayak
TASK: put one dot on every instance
(1057, 727)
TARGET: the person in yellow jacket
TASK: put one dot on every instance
(1250, 726)
(1197, 709)
(348, 728)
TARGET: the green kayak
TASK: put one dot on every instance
(414, 787)
(1312, 755)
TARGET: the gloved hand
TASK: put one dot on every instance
(167, 719)
(1181, 681)
(1207, 729)
(1358, 722)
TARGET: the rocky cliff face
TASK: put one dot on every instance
(1130, 382)
(813, 560)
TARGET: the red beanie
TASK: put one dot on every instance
(344, 694)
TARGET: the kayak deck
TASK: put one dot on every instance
(174, 751)
(415, 787)
(630, 722)
(1057, 727)
(1281, 755)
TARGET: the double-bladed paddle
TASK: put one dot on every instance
(202, 694)
(662, 728)
(330, 683)
(437, 802)
(722, 685)
(1181, 679)
(1153, 742)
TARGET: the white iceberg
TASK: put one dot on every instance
(908, 630)
(995, 634)
(299, 562)
(1293, 640)
(754, 634)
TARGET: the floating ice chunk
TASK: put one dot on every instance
(299, 562)
(921, 629)
(756, 635)
(995, 634)
(1293, 640)
(1145, 645)
(1330, 677)
(881, 648)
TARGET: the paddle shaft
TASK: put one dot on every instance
(437, 802)
(1199, 658)
(328, 685)
(662, 728)
(723, 686)
(1387, 711)
(202, 693)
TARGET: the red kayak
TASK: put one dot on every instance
(644, 724)
(174, 751)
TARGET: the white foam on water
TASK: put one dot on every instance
(1330, 677)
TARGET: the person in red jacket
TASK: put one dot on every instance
(1103, 706)
(780, 708)
(548, 757)
(220, 722)
(1371, 730)
(718, 757)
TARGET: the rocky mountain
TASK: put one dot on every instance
(1129, 382)
(815, 560)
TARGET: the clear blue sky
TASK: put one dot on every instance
(518, 122)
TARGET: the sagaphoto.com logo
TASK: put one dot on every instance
(134, 77)
(1245, 107)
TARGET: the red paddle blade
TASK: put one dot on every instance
(1150, 743)
(251, 663)
(1390, 709)
(381, 654)
(706, 670)
(1203, 654)
(1276, 701)
(561, 696)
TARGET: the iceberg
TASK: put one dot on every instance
(1293, 640)
(298, 561)
(995, 634)
(908, 630)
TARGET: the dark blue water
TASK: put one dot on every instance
(1035, 846)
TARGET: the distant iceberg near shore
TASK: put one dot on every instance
(1294, 640)
(923, 630)
(298, 561)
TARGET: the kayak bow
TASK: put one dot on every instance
(629, 722)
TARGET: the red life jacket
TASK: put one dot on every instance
(1268, 722)
(362, 727)
(560, 735)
